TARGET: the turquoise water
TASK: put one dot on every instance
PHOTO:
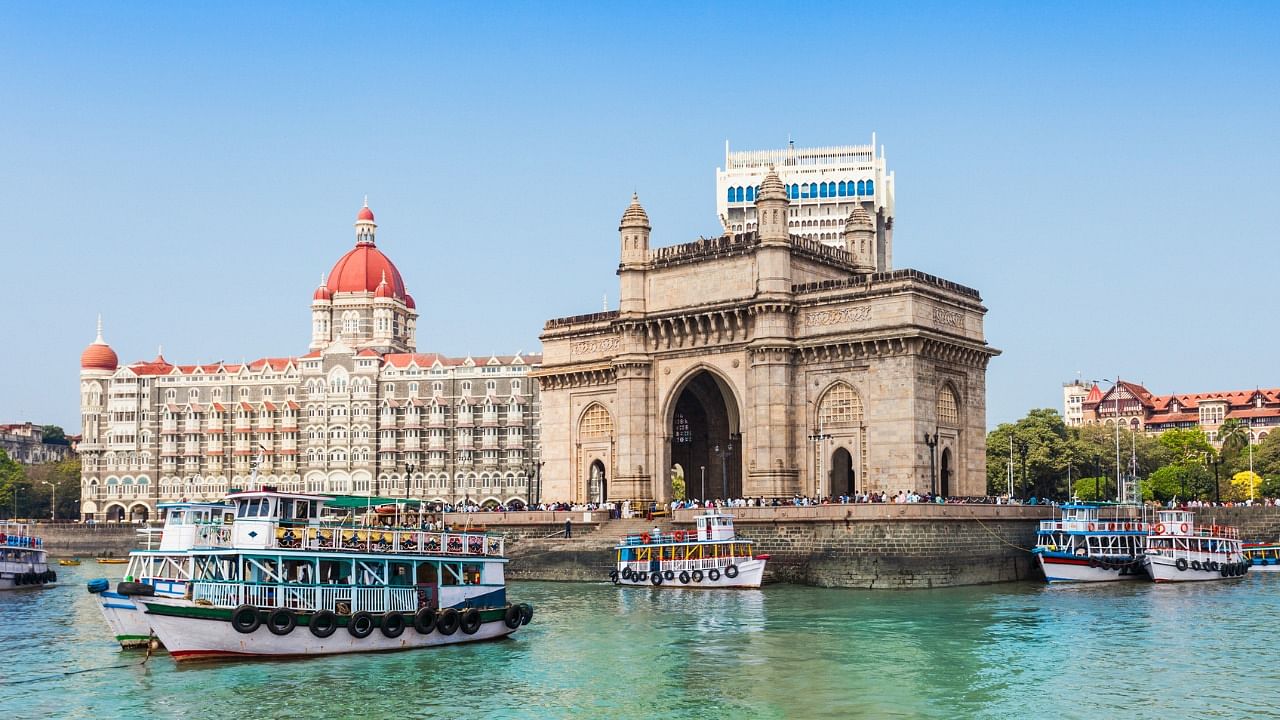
(1007, 651)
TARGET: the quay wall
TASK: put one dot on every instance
(88, 540)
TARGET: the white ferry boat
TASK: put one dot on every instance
(278, 581)
(166, 569)
(1083, 546)
(1262, 557)
(1180, 551)
(708, 557)
(23, 562)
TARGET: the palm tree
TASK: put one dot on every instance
(1234, 435)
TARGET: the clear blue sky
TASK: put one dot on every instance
(1105, 175)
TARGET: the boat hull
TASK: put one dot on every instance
(11, 583)
(1080, 570)
(127, 620)
(750, 575)
(205, 634)
(1163, 570)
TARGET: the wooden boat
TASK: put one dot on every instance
(23, 562)
(709, 557)
(111, 560)
(65, 562)
(1178, 550)
(1081, 545)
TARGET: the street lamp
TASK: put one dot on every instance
(53, 500)
(931, 442)
(818, 458)
(1022, 453)
(409, 470)
(703, 468)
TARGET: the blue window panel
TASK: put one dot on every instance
(861, 188)
(840, 190)
(739, 194)
(795, 191)
(730, 195)
(751, 194)
(822, 190)
(813, 190)
(871, 187)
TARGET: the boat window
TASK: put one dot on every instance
(401, 574)
(427, 573)
(286, 509)
(335, 572)
(471, 574)
(450, 574)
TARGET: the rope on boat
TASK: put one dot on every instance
(53, 676)
(996, 535)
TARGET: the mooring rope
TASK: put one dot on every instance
(150, 644)
(996, 535)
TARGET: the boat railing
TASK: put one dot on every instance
(342, 599)
(1200, 531)
(1095, 526)
(213, 536)
(678, 536)
(405, 542)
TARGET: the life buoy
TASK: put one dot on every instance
(470, 622)
(679, 535)
(713, 574)
(323, 623)
(245, 619)
(526, 613)
(393, 624)
(731, 571)
(1181, 564)
(656, 578)
(511, 617)
(684, 577)
(1090, 526)
(1111, 526)
(361, 624)
(424, 621)
(1184, 528)
(696, 575)
(1158, 529)
(281, 621)
(644, 538)
(448, 621)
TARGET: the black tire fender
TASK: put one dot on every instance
(281, 621)
(323, 623)
(713, 574)
(424, 621)
(447, 623)
(393, 624)
(470, 622)
(684, 577)
(1181, 564)
(526, 613)
(696, 575)
(245, 619)
(361, 624)
(731, 572)
(512, 616)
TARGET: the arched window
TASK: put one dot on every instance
(822, 190)
(862, 188)
(729, 195)
(813, 190)
(871, 187)
(596, 424)
(751, 194)
(840, 189)
(948, 407)
(794, 191)
(739, 193)
(840, 406)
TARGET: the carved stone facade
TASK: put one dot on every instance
(765, 364)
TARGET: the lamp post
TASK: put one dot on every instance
(409, 470)
(1097, 477)
(931, 442)
(1022, 453)
(818, 458)
(1251, 482)
(53, 500)
(703, 468)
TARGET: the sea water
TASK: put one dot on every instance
(1021, 650)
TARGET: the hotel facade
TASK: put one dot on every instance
(362, 413)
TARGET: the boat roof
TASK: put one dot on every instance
(185, 504)
(271, 492)
(363, 501)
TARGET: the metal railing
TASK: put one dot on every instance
(345, 598)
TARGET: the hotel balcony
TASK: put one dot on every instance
(515, 418)
(489, 419)
(435, 462)
(436, 420)
(436, 442)
(489, 442)
(191, 426)
(412, 444)
(512, 443)
(466, 419)
(169, 426)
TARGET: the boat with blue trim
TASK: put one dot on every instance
(711, 556)
(166, 568)
(1083, 545)
(23, 561)
(1181, 551)
(281, 580)
(1262, 556)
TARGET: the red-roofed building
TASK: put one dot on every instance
(360, 412)
(1136, 408)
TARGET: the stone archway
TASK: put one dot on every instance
(115, 513)
(842, 480)
(705, 438)
(139, 513)
(944, 473)
(597, 483)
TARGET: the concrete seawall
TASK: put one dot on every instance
(76, 539)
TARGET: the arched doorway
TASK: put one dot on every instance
(705, 441)
(596, 487)
(115, 513)
(842, 478)
(944, 475)
(138, 513)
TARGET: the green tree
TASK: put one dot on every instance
(1186, 446)
(65, 476)
(1040, 456)
(13, 487)
(1244, 485)
(54, 435)
(1092, 489)
(1163, 484)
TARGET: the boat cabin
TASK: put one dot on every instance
(260, 513)
(183, 520)
(714, 526)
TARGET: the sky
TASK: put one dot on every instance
(1103, 173)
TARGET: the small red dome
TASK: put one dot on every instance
(408, 301)
(99, 356)
(322, 293)
(384, 290)
(365, 214)
(362, 270)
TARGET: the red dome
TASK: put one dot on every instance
(365, 214)
(362, 269)
(408, 300)
(384, 289)
(322, 293)
(99, 356)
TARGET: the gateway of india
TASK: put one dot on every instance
(768, 362)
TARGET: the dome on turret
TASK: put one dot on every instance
(384, 290)
(99, 355)
(771, 188)
(634, 216)
(859, 219)
(364, 267)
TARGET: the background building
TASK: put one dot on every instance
(1073, 396)
(1136, 408)
(24, 443)
(822, 186)
(764, 363)
(361, 413)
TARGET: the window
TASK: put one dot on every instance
(751, 194)
(596, 424)
(948, 408)
(871, 187)
(862, 188)
(840, 407)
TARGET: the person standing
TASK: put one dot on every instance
(568, 527)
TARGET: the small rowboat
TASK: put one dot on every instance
(111, 560)
(69, 561)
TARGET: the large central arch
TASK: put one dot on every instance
(703, 422)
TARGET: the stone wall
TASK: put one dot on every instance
(88, 540)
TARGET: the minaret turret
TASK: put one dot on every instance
(366, 228)
(771, 210)
(321, 315)
(634, 233)
(860, 239)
